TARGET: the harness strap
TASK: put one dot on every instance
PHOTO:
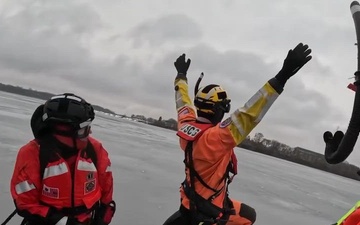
(194, 173)
(197, 202)
(74, 211)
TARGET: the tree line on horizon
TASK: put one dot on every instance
(276, 149)
(40, 95)
(257, 144)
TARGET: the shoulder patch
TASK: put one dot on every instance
(225, 123)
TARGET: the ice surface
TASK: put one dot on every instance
(148, 169)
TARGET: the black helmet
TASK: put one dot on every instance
(38, 127)
(69, 109)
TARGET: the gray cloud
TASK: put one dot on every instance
(46, 44)
(54, 47)
(166, 29)
(45, 38)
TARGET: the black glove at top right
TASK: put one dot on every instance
(295, 59)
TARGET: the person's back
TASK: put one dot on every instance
(212, 153)
(210, 161)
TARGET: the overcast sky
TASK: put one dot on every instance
(119, 54)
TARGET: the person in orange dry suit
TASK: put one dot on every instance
(210, 161)
(63, 176)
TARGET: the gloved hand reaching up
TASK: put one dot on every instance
(295, 59)
(181, 65)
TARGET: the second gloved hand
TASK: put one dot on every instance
(295, 59)
(105, 213)
(181, 65)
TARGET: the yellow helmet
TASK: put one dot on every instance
(212, 98)
(211, 101)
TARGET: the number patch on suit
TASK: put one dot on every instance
(190, 130)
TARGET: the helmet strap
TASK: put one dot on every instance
(213, 118)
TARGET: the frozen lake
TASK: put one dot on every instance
(147, 166)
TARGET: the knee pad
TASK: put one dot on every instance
(248, 212)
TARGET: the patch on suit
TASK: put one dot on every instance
(90, 176)
(225, 123)
(189, 130)
(50, 192)
(89, 186)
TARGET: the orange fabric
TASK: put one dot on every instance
(213, 150)
(27, 170)
(353, 219)
(237, 219)
(212, 153)
(61, 187)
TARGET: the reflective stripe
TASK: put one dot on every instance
(181, 95)
(186, 105)
(62, 221)
(86, 166)
(55, 170)
(108, 169)
(260, 94)
(244, 119)
(44, 117)
(237, 123)
(181, 82)
(255, 98)
(85, 123)
(179, 100)
(67, 96)
(354, 9)
(24, 186)
(344, 217)
(269, 101)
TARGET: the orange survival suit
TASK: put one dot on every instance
(209, 150)
(70, 185)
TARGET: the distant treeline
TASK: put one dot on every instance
(257, 144)
(39, 95)
(298, 155)
(276, 149)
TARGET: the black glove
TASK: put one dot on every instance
(52, 218)
(104, 214)
(181, 65)
(295, 59)
(68, 221)
(335, 139)
(57, 218)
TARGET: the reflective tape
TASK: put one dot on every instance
(23, 187)
(108, 169)
(62, 221)
(344, 217)
(55, 170)
(269, 101)
(86, 166)
(237, 123)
